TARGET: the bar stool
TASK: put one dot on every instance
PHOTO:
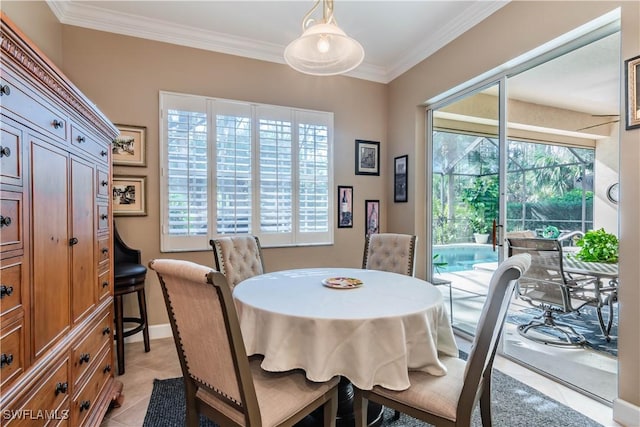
(128, 277)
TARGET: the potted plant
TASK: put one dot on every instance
(598, 246)
(480, 229)
(482, 203)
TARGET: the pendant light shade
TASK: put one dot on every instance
(323, 49)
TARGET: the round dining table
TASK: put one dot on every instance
(371, 333)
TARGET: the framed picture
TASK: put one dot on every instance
(372, 220)
(129, 148)
(632, 71)
(367, 157)
(129, 196)
(345, 206)
(400, 165)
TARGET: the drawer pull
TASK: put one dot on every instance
(105, 284)
(104, 183)
(5, 90)
(105, 250)
(80, 139)
(57, 124)
(106, 369)
(6, 359)
(4, 151)
(103, 153)
(85, 405)
(104, 216)
(5, 290)
(73, 241)
(107, 330)
(84, 358)
(5, 221)
(61, 388)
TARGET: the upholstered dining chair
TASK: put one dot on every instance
(449, 400)
(238, 257)
(221, 382)
(390, 252)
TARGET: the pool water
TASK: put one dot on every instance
(463, 256)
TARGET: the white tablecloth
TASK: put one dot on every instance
(372, 335)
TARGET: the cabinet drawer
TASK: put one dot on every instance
(11, 233)
(11, 345)
(84, 141)
(86, 351)
(10, 154)
(102, 183)
(88, 396)
(51, 396)
(33, 111)
(11, 271)
(103, 251)
(103, 218)
(104, 284)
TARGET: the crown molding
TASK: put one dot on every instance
(97, 18)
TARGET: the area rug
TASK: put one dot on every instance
(514, 404)
(585, 322)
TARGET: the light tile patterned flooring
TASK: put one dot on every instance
(162, 362)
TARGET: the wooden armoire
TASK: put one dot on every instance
(56, 324)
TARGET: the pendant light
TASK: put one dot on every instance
(323, 49)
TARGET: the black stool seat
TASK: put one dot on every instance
(128, 277)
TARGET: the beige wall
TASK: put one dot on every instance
(123, 76)
(465, 58)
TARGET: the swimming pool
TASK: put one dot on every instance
(462, 256)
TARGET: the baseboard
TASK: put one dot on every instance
(155, 332)
(626, 413)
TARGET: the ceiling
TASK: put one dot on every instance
(395, 34)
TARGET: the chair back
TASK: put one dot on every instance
(238, 257)
(489, 330)
(390, 252)
(545, 281)
(122, 253)
(207, 335)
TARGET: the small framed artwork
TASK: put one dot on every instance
(345, 206)
(367, 157)
(128, 149)
(372, 220)
(632, 71)
(129, 196)
(400, 165)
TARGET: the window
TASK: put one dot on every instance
(230, 167)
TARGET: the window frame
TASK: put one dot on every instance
(211, 107)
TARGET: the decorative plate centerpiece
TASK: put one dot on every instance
(342, 282)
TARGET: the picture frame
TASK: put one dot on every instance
(345, 206)
(372, 217)
(129, 195)
(367, 157)
(632, 72)
(400, 178)
(129, 147)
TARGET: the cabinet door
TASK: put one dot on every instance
(50, 213)
(83, 269)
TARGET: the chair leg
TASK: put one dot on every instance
(117, 308)
(485, 402)
(396, 415)
(360, 406)
(192, 418)
(330, 410)
(142, 303)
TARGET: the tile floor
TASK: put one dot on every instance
(162, 362)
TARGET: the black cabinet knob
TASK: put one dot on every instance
(5, 90)
(6, 360)
(103, 153)
(105, 284)
(107, 330)
(57, 124)
(104, 183)
(5, 221)
(73, 241)
(61, 388)
(104, 216)
(80, 139)
(5, 290)
(85, 405)
(4, 151)
(84, 358)
(106, 369)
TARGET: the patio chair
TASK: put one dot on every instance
(220, 381)
(449, 400)
(238, 257)
(548, 287)
(390, 252)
